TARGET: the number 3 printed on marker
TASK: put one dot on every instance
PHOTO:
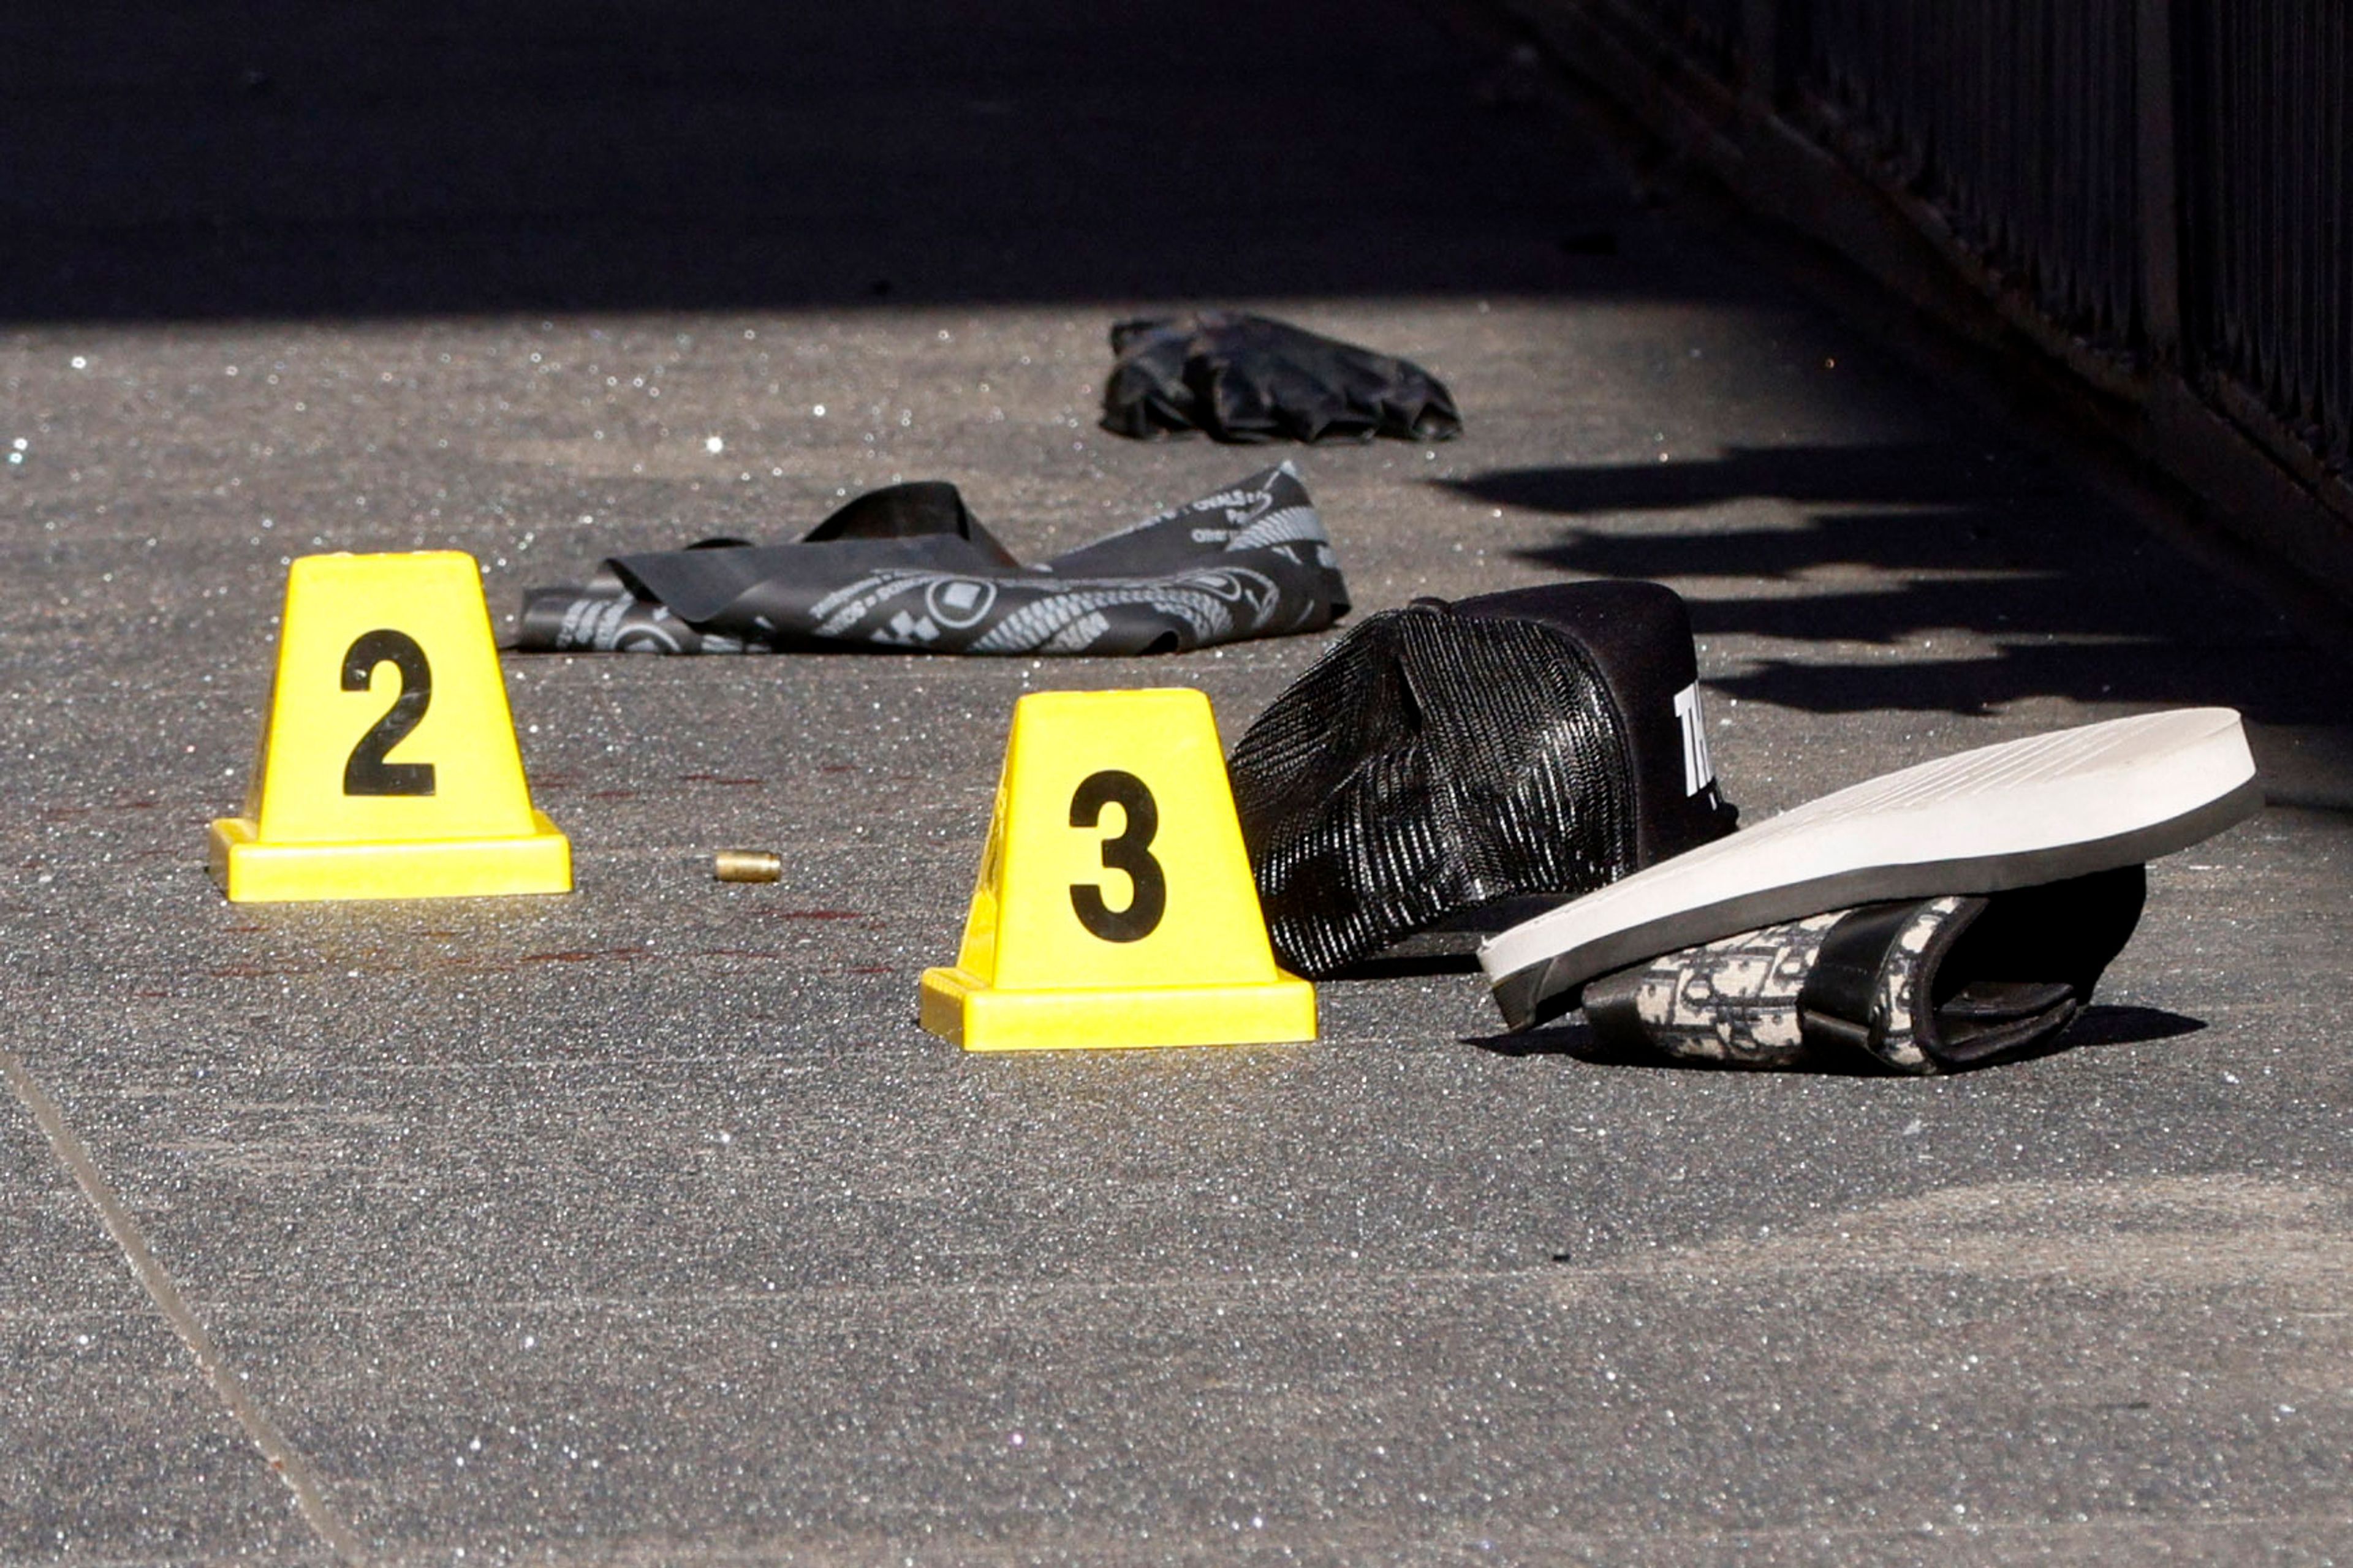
(1131, 852)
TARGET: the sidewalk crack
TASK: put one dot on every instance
(286, 1460)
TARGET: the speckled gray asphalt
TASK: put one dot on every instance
(644, 1225)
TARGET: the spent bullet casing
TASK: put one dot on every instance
(746, 866)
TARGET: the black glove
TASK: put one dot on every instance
(1246, 378)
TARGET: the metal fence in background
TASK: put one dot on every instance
(2016, 118)
(2266, 108)
(2168, 182)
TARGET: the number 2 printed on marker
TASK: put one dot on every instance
(367, 772)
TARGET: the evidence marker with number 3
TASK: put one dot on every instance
(388, 767)
(1114, 906)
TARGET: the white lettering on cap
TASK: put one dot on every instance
(1698, 772)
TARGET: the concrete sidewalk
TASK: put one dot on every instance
(643, 1224)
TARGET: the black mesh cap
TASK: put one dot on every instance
(1447, 761)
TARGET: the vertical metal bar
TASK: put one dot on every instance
(1760, 42)
(2336, 122)
(2159, 176)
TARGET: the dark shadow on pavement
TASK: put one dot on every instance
(1408, 966)
(2105, 1026)
(2097, 1025)
(2059, 595)
(222, 158)
(1908, 473)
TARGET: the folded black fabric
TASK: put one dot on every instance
(909, 567)
(1246, 378)
(1919, 985)
(1447, 770)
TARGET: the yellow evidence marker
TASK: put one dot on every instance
(1115, 905)
(388, 767)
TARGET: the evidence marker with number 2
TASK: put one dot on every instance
(388, 767)
(1114, 906)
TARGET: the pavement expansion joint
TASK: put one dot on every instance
(284, 1458)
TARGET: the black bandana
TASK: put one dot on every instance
(909, 567)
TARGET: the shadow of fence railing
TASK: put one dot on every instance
(2157, 193)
